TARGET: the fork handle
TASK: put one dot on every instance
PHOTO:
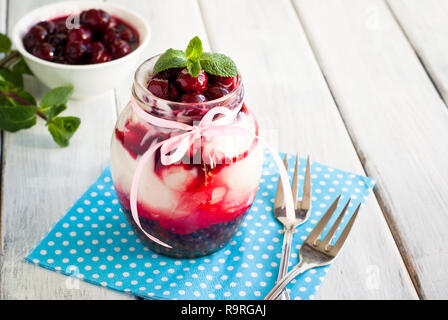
(281, 285)
(284, 261)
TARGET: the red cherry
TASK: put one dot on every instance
(44, 51)
(82, 34)
(128, 35)
(75, 52)
(61, 26)
(174, 93)
(119, 48)
(39, 33)
(170, 74)
(99, 53)
(188, 83)
(159, 88)
(58, 41)
(36, 36)
(193, 98)
(96, 20)
(49, 26)
(114, 23)
(29, 42)
(226, 82)
(215, 92)
(110, 36)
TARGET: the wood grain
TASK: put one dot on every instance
(425, 24)
(3, 29)
(288, 93)
(397, 121)
(41, 182)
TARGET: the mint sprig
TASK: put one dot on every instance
(19, 110)
(195, 60)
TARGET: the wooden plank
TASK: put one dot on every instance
(173, 24)
(288, 93)
(3, 29)
(426, 26)
(398, 123)
(41, 181)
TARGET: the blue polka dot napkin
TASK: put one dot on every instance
(94, 242)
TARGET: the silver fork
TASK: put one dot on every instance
(302, 212)
(315, 253)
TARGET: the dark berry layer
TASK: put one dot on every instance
(199, 243)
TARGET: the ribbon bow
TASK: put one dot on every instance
(173, 149)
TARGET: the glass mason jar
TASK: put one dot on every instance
(196, 204)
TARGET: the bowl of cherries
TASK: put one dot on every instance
(91, 45)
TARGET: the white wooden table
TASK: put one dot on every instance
(361, 85)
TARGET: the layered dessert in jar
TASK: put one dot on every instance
(196, 204)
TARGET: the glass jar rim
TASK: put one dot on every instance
(200, 105)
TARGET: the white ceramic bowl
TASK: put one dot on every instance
(88, 80)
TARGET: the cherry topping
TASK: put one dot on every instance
(114, 23)
(36, 36)
(49, 26)
(82, 34)
(193, 98)
(215, 92)
(29, 42)
(58, 40)
(110, 36)
(61, 26)
(159, 88)
(44, 51)
(97, 20)
(191, 84)
(128, 35)
(226, 82)
(39, 34)
(170, 74)
(119, 48)
(75, 52)
(174, 93)
(99, 53)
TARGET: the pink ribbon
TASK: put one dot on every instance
(173, 149)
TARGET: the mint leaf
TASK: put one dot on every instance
(53, 112)
(63, 128)
(14, 78)
(17, 117)
(57, 96)
(23, 97)
(194, 50)
(22, 67)
(194, 68)
(5, 43)
(218, 64)
(169, 60)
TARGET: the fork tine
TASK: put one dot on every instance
(305, 204)
(295, 181)
(279, 196)
(340, 242)
(315, 233)
(335, 226)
